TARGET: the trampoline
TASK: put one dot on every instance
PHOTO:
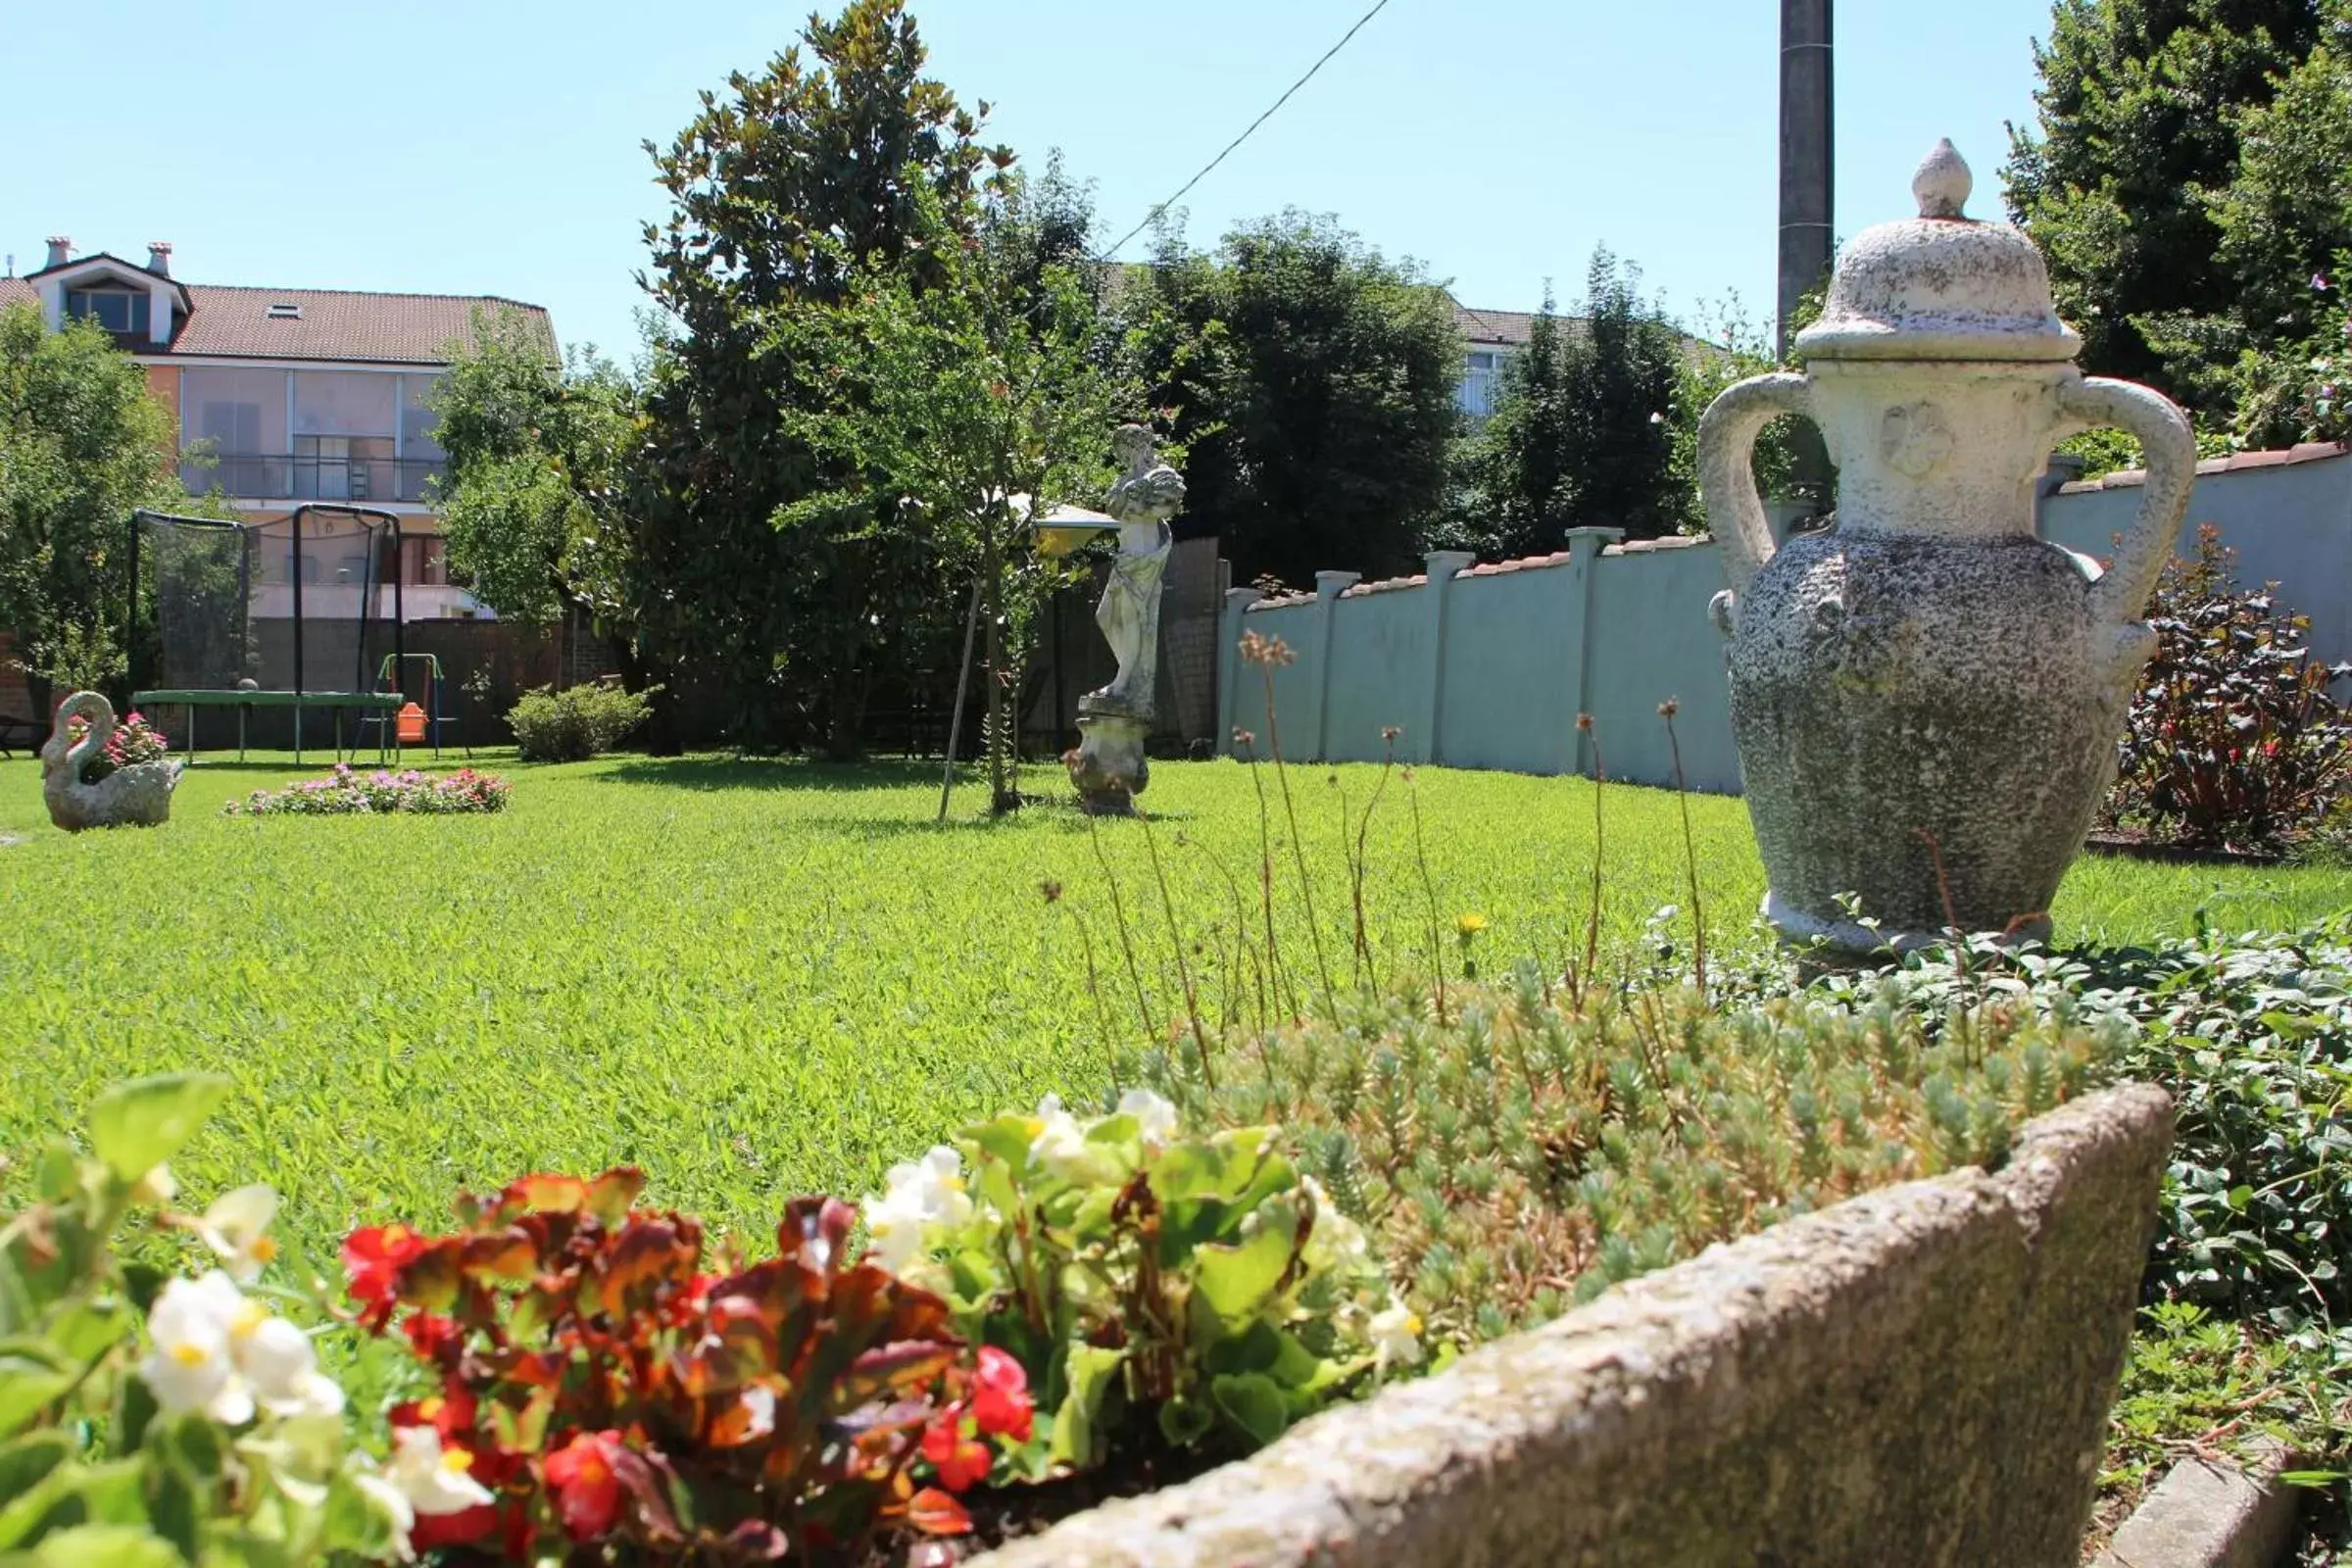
(286, 615)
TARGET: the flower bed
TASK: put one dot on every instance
(133, 741)
(347, 790)
(1055, 1309)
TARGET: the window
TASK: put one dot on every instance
(1482, 375)
(116, 310)
(283, 312)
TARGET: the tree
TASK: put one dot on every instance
(1311, 382)
(779, 190)
(82, 445)
(1518, 492)
(969, 408)
(533, 503)
(1585, 428)
(2273, 357)
(2141, 112)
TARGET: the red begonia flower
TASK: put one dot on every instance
(372, 1257)
(961, 1462)
(1001, 1405)
(587, 1492)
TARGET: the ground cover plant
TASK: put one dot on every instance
(2247, 1327)
(348, 791)
(764, 977)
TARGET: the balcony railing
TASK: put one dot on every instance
(264, 477)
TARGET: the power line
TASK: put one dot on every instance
(1378, 7)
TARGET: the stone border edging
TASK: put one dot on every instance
(2208, 1515)
(1920, 1375)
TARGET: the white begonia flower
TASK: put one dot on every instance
(1061, 1149)
(918, 1195)
(237, 1228)
(434, 1481)
(1336, 1241)
(393, 1504)
(1396, 1335)
(192, 1365)
(280, 1361)
(1154, 1116)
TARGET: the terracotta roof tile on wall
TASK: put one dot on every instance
(333, 323)
(2235, 463)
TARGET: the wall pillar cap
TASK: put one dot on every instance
(1331, 584)
(1242, 596)
(1442, 564)
(1607, 536)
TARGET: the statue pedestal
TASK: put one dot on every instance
(1109, 768)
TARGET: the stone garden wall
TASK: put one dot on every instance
(1488, 666)
(1919, 1376)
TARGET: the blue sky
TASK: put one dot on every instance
(494, 147)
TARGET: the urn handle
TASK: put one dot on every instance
(1727, 470)
(2095, 403)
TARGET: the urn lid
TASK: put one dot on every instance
(1939, 286)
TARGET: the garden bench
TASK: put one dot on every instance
(18, 734)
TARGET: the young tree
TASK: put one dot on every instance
(779, 188)
(967, 408)
(1518, 491)
(532, 505)
(2141, 105)
(82, 445)
(1587, 428)
(1311, 382)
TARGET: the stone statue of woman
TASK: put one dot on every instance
(1146, 496)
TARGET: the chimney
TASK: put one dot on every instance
(60, 250)
(158, 257)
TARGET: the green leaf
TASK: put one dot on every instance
(137, 1126)
(28, 1460)
(1078, 1437)
(1233, 1281)
(27, 1382)
(1254, 1402)
(106, 1546)
(235, 1547)
(83, 1332)
(1185, 1422)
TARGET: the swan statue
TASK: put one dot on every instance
(140, 793)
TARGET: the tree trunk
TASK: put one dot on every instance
(1002, 797)
(641, 674)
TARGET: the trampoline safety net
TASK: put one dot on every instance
(239, 601)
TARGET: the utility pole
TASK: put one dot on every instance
(1807, 154)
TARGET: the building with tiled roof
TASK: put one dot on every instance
(282, 396)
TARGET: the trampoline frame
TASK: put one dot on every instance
(299, 697)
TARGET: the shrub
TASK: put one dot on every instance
(2253, 1037)
(576, 723)
(614, 1389)
(133, 741)
(1199, 1292)
(1527, 1150)
(2233, 736)
(148, 1419)
(347, 792)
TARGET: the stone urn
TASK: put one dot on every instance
(140, 794)
(1927, 696)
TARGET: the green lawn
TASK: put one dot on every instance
(752, 978)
